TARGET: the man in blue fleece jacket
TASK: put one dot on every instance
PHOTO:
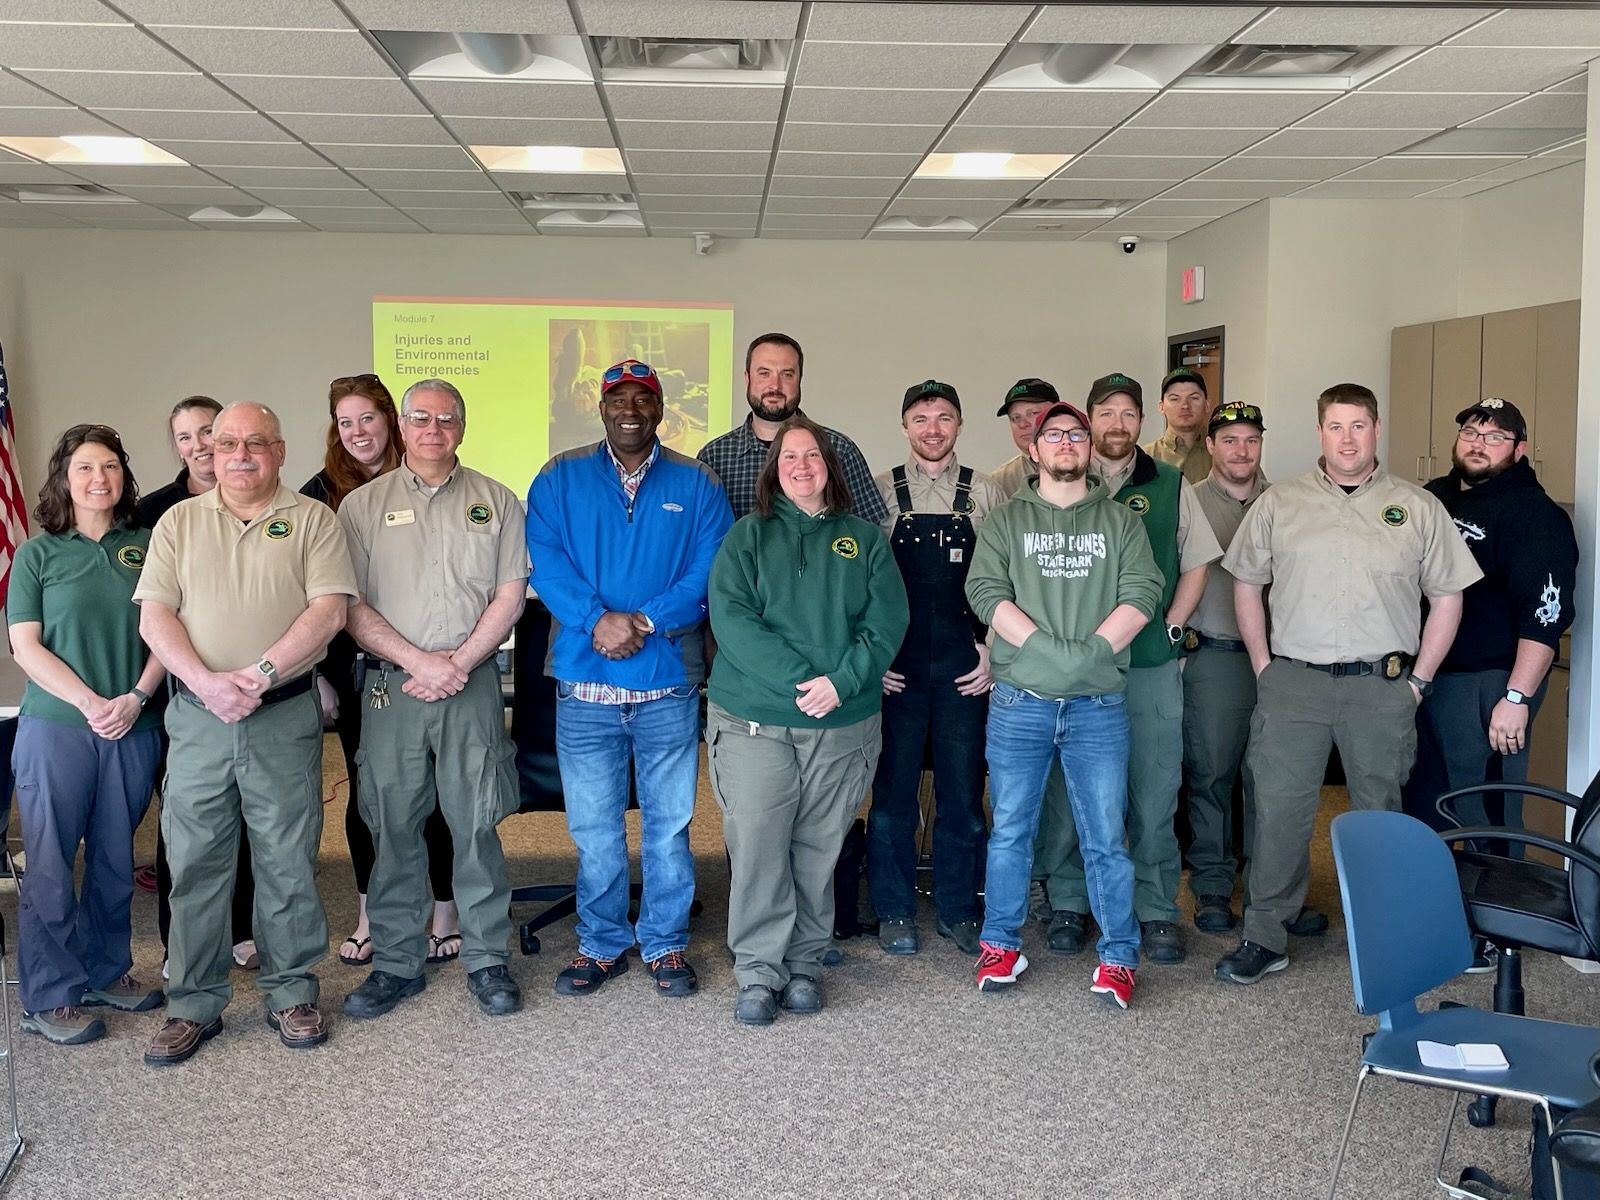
(622, 534)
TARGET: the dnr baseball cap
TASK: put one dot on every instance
(930, 389)
(1183, 375)
(1502, 412)
(1115, 384)
(1028, 389)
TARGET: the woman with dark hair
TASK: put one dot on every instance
(189, 427)
(809, 611)
(86, 748)
(364, 443)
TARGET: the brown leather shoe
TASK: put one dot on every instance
(300, 1027)
(177, 1041)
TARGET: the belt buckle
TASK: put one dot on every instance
(1338, 670)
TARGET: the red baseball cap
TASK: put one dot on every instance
(630, 368)
(1060, 408)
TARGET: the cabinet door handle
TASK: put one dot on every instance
(1421, 478)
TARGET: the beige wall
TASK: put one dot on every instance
(1521, 244)
(115, 326)
(1233, 252)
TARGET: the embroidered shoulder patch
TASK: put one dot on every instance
(131, 556)
(1139, 503)
(279, 529)
(479, 514)
(1395, 516)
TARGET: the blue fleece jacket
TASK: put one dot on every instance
(593, 552)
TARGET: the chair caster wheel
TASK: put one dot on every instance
(530, 943)
(1480, 1113)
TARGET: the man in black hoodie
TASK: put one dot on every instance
(1474, 727)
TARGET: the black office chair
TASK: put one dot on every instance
(1517, 903)
(1575, 1144)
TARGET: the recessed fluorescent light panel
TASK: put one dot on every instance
(991, 166)
(65, 193)
(948, 226)
(1135, 68)
(486, 55)
(693, 60)
(604, 224)
(97, 151)
(551, 160)
(235, 214)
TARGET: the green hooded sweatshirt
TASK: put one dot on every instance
(1067, 568)
(793, 597)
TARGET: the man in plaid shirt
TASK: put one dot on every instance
(772, 368)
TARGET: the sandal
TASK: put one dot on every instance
(586, 974)
(439, 954)
(354, 956)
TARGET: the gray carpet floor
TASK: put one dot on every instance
(911, 1083)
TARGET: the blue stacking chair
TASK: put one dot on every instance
(1407, 931)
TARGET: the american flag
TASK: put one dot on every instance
(13, 508)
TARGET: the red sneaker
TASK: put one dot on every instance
(1114, 983)
(998, 967)
(144, 878)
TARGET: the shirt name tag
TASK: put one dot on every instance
(404, 517)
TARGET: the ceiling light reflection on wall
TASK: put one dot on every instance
(991, 165)
(551, 160)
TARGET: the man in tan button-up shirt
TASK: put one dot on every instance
(1186, 410)
(1350, 551)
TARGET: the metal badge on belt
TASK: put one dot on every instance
(1394, 665)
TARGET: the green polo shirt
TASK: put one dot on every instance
(82, 593)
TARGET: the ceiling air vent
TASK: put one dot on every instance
(1292, 67)
(585, 201)
(1065, 208)
(666, 60)
(66, 193)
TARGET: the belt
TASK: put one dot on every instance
(1237, 647)
(285, 691)
(1390, 666)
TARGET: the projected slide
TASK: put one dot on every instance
(530, 369)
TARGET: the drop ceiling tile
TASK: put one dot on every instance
(416, 158)
(277, 51)
(411, 199)
(1099, 189)
(1308, 169)
(117, 176)
(488, 16)
(159, 125)
(1233, 189)
(960, 189)
(1549, 110)
(89, 11)
(413, 130)
(1481, 140)
(700, 185)
(1534, 28)
(119, 47)
(345, 212)
(1197, 109)
(1578, 83)
(110, 217)
(444, 218)
(190, 197)
(681, 102)
(697, 135)
(1133, 140)
(1044, 139)
(1336, 143)
(874, 106)
(291, 197)
(1113, 231)
(1459, 191)
(126, 89)
(1135, 223)
(473, 180)
(375, 97)
(20, 170)
(244, 154)
(861, 64)
(694, 204)
(28, 216)
(511, 98)
(818, 185)
(1110, 166)
(1165, 207)
(1007, 106)
(841, 206)
(875, 139)
(254, 178)
(1358, 25)
(16, 91)
(360, 219)
(1489, 70)
(995, 24)
(1370, 189)
(1109, 24)
(529, 181)
(808, 163)
(1376, 110)
(689, 19)
(506, 131)
(785, 221)
(1524, 168)
(715, 226)
(50, 122)
(976, 211)
(1418, 166)
(1008, 234)
(450, 230)
(257, 14)
(809, 235)
(689, 162)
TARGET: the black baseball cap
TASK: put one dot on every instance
(1235, 413)
(1113, 384)
(1184, 375)
(929, 389)
(1028, 389)
(1502, 412)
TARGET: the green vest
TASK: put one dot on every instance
(1152, 492)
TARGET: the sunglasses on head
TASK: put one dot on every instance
(354, 380)
(627, 370)
(78, 431)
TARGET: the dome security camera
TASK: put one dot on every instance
(1128, 242)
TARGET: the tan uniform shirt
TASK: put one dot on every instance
(1011, 476)
(1215, 616)
(236, 586)
(1348, 572)
(1195, 464)
(931, 494)
(429, 565)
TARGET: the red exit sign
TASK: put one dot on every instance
(1193, 287)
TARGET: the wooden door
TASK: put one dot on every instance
(1555, 416)
(1410, 401)
(1457, 382)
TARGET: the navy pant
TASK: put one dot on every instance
(74, 787)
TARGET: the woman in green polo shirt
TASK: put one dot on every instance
(86, 748)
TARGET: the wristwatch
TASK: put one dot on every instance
(1515, 696)
(266, 668)
(1174, 634)
(1424, 686)
(142, 697)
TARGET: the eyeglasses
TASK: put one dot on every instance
(255, 445)
(421, 420)
(634, 370)
(1075, 435)
(1489, 437)
(1229, 413)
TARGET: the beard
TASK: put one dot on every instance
(1066, 474)
(1114, 446)
(772, 406)
(1473, 474)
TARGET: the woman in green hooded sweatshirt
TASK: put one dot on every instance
(808, 611)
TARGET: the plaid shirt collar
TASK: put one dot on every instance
(630, 480)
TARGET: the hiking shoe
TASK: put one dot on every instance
(1068, 931)
(1114, 983)
(832, 956)
(899, 935)
(1161, 942)
(65, 1026)
(125, 995)
(1214, 914)
(998, 967)
(1485, 958)
(300, 1027)
(245, 955)
(673, 975)
(1038, 902)
(379, 992)
(1249, 963)
(178, 1039)
(756, 1004)
(1308, 922)
(964, 934)
(586, 974)
(494, 990)
(802, 994)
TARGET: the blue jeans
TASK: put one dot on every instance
(1089, 735)
(594, 743)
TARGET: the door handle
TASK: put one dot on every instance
(1421, 478)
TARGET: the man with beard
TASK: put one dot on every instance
(1067, 580)
(1025, 400)
(1474, 727)
(938, 686)
(1186, 409)
(1183, 545)
(773, 365)
(1219, 688)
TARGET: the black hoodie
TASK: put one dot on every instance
(1524, 543)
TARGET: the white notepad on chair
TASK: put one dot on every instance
(1468, 1056)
